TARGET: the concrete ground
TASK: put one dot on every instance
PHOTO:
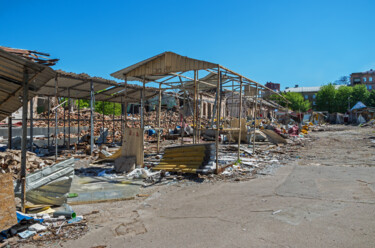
(324, 199)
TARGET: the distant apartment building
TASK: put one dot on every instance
(273, 86)
(367, 78)
(308, 93)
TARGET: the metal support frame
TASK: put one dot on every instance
(48, 120)
(10, 129)
(64, 126)
(78, 107)
(91, 116)
(182, 115)
(56, 122)
(240, 122)
(126, 103)
(25, 97)
(195, 108)
(123, 111)
(255, 117)
(159, 112)
(113, 120)
(31, 131)
(217, 121)
(69, 113)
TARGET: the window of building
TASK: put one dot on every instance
(364, 79)
(314, 103)
(369, 87)
(370, 79)
(306, 97)
(314, 96)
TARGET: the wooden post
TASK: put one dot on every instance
(159, 112)
(10, 132)
(255, 118)
(240, 122)
(91, 116)
(25, 97)
(217, 119)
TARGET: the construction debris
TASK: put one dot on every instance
(10, 162)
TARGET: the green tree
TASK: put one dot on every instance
(371, 99)
(343, 97)
(325, 98)
(360, 93)
(297, 102)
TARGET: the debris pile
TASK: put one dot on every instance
(44, 228)
(10, 162)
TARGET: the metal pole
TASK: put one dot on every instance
(142, 104)
(217, 120)
(182, 116)
(78, 119)
(126, 104)
(103, 141)
(91, 117)
(122, 117)
(142, 117)
(48, 120)
(240, 121)
(24, 137)
(31, 124)
(64, 126)
(198, 121)
(159, 112)
(113, 120)
(255, 117)
(195, 108)
(56, 123)
(10, 132)
(69, 113)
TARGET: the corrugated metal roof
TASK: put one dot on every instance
(160, 66)
(11, 80)
(133, 95)
(78, 85)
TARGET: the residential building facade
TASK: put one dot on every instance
(308, 93)
(367, 78)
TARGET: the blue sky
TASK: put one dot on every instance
(290, 42)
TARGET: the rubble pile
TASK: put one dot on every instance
(10, 162)
(168, 121)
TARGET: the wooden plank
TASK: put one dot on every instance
(133, 144)
(8, 216)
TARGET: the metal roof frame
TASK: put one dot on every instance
(12, 75)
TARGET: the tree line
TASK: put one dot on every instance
(343, 98)
(329, 98)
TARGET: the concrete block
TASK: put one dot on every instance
(125, 164)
